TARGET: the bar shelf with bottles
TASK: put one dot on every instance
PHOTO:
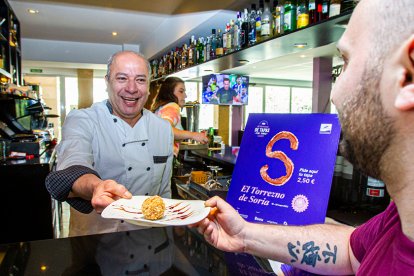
(283, 29)
(10, 51)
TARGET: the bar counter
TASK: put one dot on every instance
(151, 251)
(26, 204)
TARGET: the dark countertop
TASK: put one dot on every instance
(151, 251)
(227, 157)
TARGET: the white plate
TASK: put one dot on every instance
(178, 212)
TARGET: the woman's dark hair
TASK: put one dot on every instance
(166, 93)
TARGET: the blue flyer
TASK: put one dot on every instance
(284, 169)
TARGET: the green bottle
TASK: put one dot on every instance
(290, 16)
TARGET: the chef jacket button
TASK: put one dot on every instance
(131, 256)
(149, 247)
(123, 145)
(127, 233)
(148, 168)
(122, 221)
(143, 144)
(115, 120)
(130, 168)
(146, 193)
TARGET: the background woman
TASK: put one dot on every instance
(167, 105)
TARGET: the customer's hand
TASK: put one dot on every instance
(224, 227)
(200, 137)
(106, 192)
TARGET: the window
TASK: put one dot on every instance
(301, 100)
(71, 94)
(191, 91)
(277, 99)
(255, 103)
(99, 90)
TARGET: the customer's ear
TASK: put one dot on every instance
(405, 97)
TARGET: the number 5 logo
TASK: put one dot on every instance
(294, 143)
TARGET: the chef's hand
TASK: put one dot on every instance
(106, 192)
(224, 228)
(100, 192)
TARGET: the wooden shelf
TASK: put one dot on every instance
(316, 35)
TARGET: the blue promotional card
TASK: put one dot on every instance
(284, 169)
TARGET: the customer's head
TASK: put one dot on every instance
(375, 93)
(127, 81)
(172, 89)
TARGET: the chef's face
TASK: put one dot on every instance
(179, 93)
(128, 86)
(367, 129)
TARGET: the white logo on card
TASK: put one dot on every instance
(325, 129)
(262, 129)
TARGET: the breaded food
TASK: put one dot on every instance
(153, 208)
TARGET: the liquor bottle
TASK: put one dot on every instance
(259, 14)
(200, 50)
(252, 33)
(325, 9)
(207, 49)
(279, 18)
(155, 68)
(334, 7)
(219, 49)
(230, 37)
(224, 39)
(302, 14)
(178, 64)
(213, 44)
(290, 16)
(237, 31)
(266, 22)
(245, 26)
(210, 136)
(313, 18)
(161, 67)
(184, 57)
(190, 50)
(166, 64)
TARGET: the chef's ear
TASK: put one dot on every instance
(405, 97)
(106, 79)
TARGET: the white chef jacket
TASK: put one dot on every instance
(138, 157)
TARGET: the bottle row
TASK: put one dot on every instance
(247, 29)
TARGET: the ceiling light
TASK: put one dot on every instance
(243, 61)
(302, 56)
(300, 45)
(114, 33)
(32, 11)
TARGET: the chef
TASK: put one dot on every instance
(112, 150)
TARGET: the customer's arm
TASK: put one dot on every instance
(321, 249)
